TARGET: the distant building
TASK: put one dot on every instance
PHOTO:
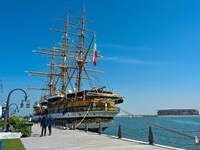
(178, 112)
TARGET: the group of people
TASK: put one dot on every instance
(44, 123)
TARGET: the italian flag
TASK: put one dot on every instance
(95, 55)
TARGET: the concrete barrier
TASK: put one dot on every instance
(10, 135)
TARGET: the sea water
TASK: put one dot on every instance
(137, 128)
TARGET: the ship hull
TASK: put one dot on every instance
(92, 120)
(86, 108)
(93, 127)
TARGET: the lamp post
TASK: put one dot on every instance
(8, 104)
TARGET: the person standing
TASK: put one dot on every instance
(50, 123)
(43, 124)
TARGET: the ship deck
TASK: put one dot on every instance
(76, 139)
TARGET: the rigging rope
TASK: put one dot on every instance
(158, 125)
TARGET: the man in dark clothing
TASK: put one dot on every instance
(50, 123)
(43, 124)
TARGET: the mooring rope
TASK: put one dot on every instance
(166, 128)
(84, 116)
(158, 125)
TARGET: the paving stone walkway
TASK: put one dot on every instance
(80, 140)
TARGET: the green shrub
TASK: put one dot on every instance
(19, 124)
(1, 123)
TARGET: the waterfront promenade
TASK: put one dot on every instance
(81, 140)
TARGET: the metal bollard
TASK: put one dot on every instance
(151, 139)
(74, 125)
(197, 139)
(86, 127)
(100, 129)
(119, 132)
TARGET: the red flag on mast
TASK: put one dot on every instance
(95, 54)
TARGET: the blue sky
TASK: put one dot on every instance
(151, 47)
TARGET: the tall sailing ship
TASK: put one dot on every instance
(65, 98)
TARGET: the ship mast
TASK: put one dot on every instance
(51, 84)
(51, 75)
(65, 48)
(80, 56)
